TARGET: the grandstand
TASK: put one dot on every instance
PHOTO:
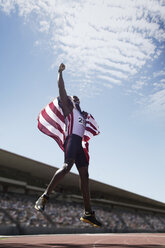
(22, 180)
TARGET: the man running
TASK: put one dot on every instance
(75, 126)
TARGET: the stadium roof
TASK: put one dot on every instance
(109, 193)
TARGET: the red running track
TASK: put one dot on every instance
(85, 241)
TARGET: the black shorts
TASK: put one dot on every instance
(73, 150)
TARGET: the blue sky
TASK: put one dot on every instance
(114, 55)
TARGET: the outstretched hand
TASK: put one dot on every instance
(61, 67)
(85, 114)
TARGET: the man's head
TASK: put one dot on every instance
(76, 102)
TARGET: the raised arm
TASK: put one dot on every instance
(67, 107)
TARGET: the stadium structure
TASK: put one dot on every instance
(22, 180)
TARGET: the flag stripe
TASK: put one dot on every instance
(56, 112)
(91, 131)
(68, 127)
(43, 129)
(93, 122)
(90, 128)
(51, 121)
(50, 127)
(71, 123)
(86, 138)
(89, 123)
(54, 116)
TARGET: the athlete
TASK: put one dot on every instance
(73, 151)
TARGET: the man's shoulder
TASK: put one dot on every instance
(67, 106)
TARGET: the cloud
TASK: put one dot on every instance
(159, 73)
(138, 85)
(152, 100)
(116, 39)
(155, 104)
(44, 26)
(111, 80)
(159, 79)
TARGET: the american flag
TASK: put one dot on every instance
(51, 122)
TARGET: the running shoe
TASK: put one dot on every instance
(91, 219)
(41, 202)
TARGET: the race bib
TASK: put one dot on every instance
(81, 120)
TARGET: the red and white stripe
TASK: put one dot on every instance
(52, 123)
(69, 121)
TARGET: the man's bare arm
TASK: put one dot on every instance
(62, 92)
(61, 86)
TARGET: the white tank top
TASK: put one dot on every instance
(75, 123)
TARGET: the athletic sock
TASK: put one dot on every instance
(87, 213)
(46, 196)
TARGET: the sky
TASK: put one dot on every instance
(114, 52)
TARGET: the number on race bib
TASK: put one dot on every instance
(81, 120)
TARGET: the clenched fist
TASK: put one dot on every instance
(61, 67)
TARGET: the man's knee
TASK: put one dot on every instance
(67, 166)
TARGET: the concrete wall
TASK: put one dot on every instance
(13, 230)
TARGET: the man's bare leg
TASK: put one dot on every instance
(89, 215)
(84, 183)
(58, 176)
